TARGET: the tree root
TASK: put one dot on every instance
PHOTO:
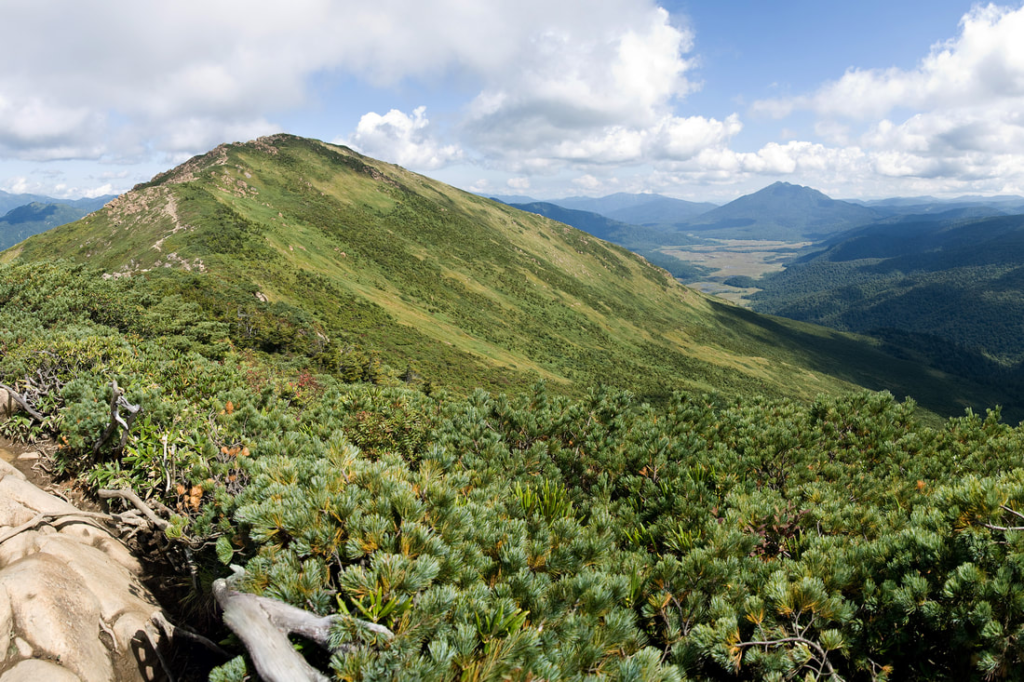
(171, 631)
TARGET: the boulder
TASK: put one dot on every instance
(72, 607)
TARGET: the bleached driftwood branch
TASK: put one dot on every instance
(264, 624)
(39, 519)
(129, 496)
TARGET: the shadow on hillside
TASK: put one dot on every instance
(870, 366)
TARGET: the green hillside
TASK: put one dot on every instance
(369, 270)
(527, 535)
(957, 283)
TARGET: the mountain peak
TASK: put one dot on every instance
(326, 252)
(789, 188)
(782, 211)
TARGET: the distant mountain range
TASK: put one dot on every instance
(639, 209)
(23, 215)
(781, 211)
(647, 210)
(10, 201)
(1007, 204)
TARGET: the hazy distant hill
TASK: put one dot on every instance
(351, 256)
(638, 209)
(996, 205)
(10, 201)
(24, 221)
(511, 198)
(593, 223)
(782, 211)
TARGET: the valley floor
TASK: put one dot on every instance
(735, 258)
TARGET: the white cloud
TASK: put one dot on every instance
(953, 122)
(57, 190)
(34, 129)
(402, 139)
(519, 183)
(574, 98)
(783, 159)
(588, 183)
(547, 91)
(983, 65)
(115, 79)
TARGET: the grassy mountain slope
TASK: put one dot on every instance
(354, 255)
(781, 211)
(645, 241)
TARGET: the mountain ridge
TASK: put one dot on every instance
(311, 248)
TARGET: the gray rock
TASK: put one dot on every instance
(24, 648)
(6, 625)
(58, 615)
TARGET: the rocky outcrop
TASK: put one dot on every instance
(71, 603)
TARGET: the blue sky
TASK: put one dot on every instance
(548, 98)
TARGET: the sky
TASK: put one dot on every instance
(698, 100)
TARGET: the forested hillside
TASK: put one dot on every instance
(535, 536)
(948, 291)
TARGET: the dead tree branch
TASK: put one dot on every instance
(39, 519)
(117, 401)
(264, 625)
(18, 398)
(129, 496)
